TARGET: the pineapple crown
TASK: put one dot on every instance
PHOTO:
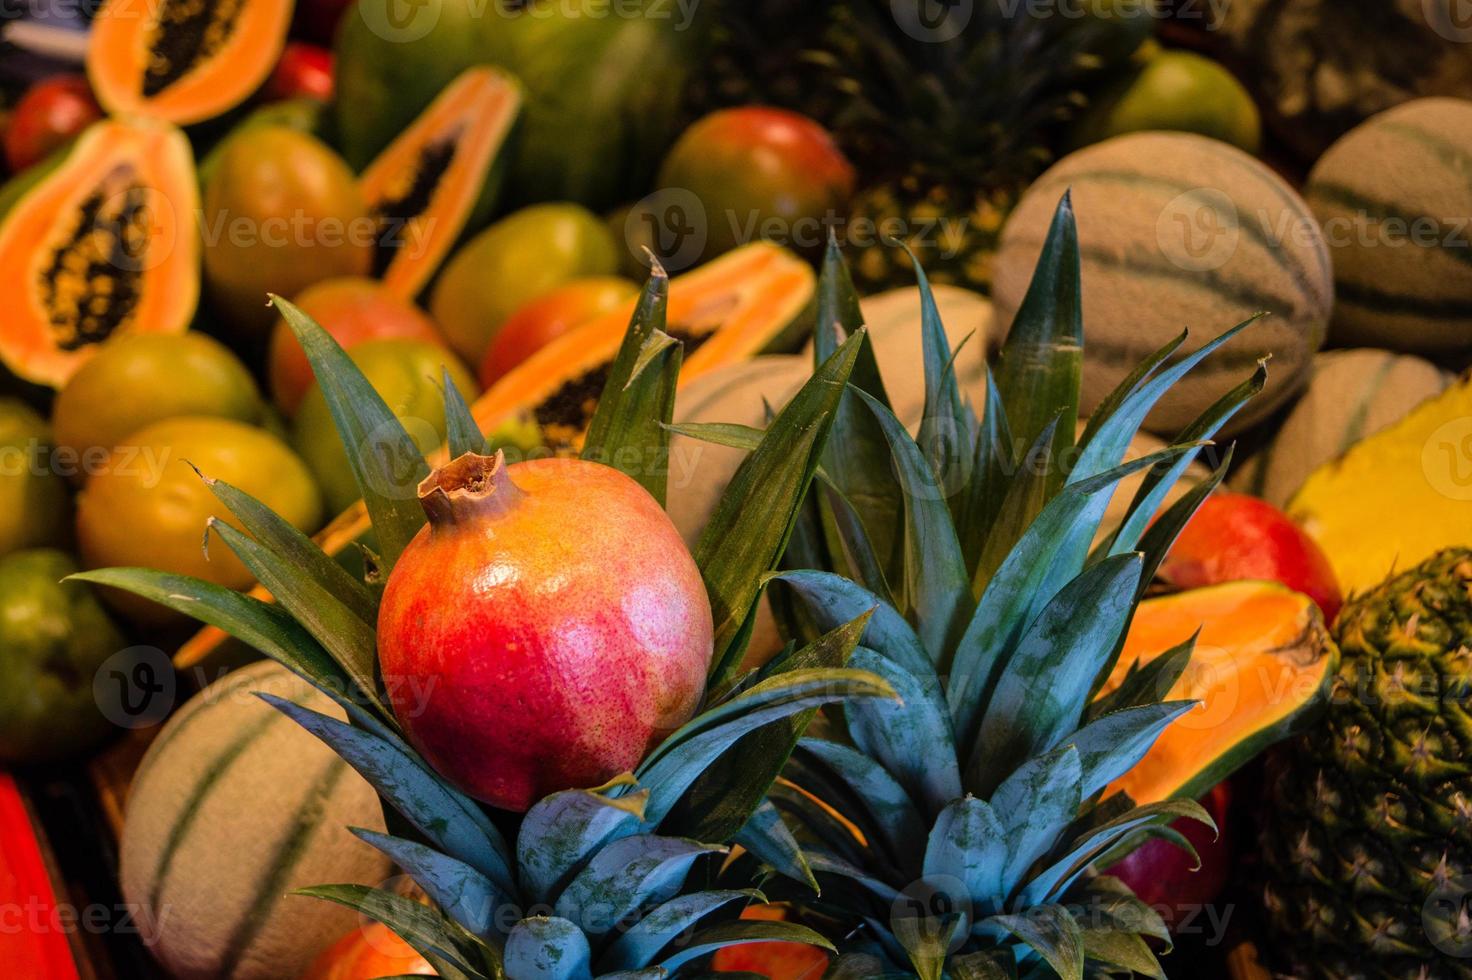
(974, 813)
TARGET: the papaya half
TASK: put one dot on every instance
(439, 180)
(100, 242)
(1262, 667)
(729, 309)
(183, 61)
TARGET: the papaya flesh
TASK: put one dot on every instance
(1262, 667)
(103, 243)
(184, 61)
(727, 310)
(440, 178)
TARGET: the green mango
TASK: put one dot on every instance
(54, 636)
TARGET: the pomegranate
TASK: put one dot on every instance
(1164, 877)
(1233, 536)
(545, 630)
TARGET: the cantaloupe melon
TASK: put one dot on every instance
(1397, 497)
(1394, 196)
(1351, 394)
(233, 807)
(1179, 231)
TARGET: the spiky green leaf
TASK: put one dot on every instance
(562, 832)
(770, 840)
(741, 932)
(629, 874)
(462, 433)
(969, 842)
(548, 948)
(911, 738)
(640, 944)
(431, 934)
(460, 891)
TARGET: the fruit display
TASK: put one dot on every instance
(439, 179)
(106, 226)
(766, 488)
(1351, 395)
(1390, 194)
(406, 374)
(54, 636)
(1415, 470)
(183, 66)
(1365, 857)
(1176, 230)
(352, 309)
(281, 212)
(514, 261)
(232, 809)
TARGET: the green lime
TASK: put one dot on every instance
(1180, 91)
(406, 375)
(35, 501)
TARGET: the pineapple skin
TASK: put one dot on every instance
(1367, 835)
(953, 231)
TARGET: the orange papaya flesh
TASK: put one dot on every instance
(102, 244)
(760, 290)
(1262, 668)
(439, 180)
(184, 61)
(725, 311)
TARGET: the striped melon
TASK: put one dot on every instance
(1177, 230)
(1351, 394)
(1394, 196)
(233, 807)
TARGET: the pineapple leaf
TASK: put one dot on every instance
(1035, 804)
(992, 463)
(636, 441)
(823, 863)
(448, 819)
(833, 600)
(460, 891)
(1150, 832)
(754, 518)
(548, 948)
(927, 940)
(1105, 410)
(879, 801)
(561, 832)
(839, 316)
(1041, 362)
(351, 641)
(629, 874)
(935, 578)
(1111, 745)
(969, 842)
(1039, 564)
(770, 840)
(1108, 445)
(911, 737)
(1055, 935)
(1026, 493)
(1147, 684)
(430, 933)
(623, 406)
(1157, 482)
(816, 823)
(1115, 905)
(257, 624)
(638, 945)
(740, 932)
(462, 432)
(1044, 685)
(385, 462)
(850, 540)
(1125, 950)
(944, 435)
(293, 548)
(984, 965)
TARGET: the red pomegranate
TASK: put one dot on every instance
(545, 630)
(1164, 877)
(1233, 536)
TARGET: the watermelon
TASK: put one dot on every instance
(1351, 394)
(1394, 197)
(233, 807)
(1180, 231)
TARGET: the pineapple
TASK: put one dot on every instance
(959, 833)
(1367, 848)
(631, 879)
(950, 118)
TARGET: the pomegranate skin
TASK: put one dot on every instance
(544, 631)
